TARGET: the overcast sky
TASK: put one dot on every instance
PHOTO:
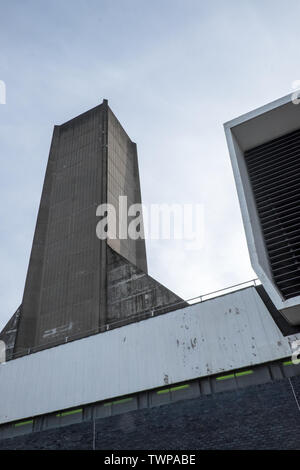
(173, 71)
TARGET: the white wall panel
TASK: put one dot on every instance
(221, 334)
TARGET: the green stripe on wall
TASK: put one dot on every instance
(225, 377)
(117, 402)
(165, 390)
(172, 389)
(237, 374)
(124, 400)
(23, 423)
(180, 387)
(71, 412)
(245, 372)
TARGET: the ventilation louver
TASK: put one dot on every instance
(274, 172)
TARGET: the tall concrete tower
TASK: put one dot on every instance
(76, 284)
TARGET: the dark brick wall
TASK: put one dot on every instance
(258, 417)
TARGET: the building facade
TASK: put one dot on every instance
(102, 356)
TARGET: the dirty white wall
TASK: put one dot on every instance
(221, 334)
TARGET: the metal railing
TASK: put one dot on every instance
(226, 290)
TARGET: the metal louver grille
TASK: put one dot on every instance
(274, 172)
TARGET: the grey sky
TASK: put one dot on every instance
(173, 72)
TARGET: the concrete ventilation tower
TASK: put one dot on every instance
(76, 284)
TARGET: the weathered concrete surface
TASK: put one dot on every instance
(123, 180)
(9, 332)
(131, 292)
(62, 291)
